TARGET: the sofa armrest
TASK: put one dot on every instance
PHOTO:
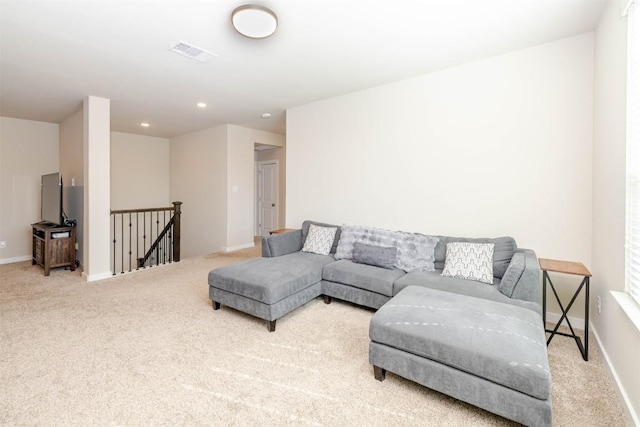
(528, 287)
(282, 244)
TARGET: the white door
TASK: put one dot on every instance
(267, 197)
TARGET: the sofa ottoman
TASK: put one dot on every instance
(486, 353)
(268, 288)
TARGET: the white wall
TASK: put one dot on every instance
(618, 337)
(96, 149)
(198, 179)
(501, 146)
(72, 167)
(139, 171)
(497, 147)
(204, 168)
(240, 187)
(28, 150)
(241, 174)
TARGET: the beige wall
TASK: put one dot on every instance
(501, 146)
(72, 168)
(278, 154)
(240, 187)
(139, 171)
(619, 339)
(71, 150)
(28, 150)
(205, 168)
(198, 178)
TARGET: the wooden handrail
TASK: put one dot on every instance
(124, 211)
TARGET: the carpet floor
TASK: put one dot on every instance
(147, 349)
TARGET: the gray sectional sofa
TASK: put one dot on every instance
(517, 280)
(285, 278)
(456, 361)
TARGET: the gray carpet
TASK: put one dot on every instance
(147, 349)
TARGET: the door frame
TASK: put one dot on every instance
(256, 202)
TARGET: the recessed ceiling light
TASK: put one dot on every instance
(253, 21)
(265, 115)
(202, 105)
(145, 124)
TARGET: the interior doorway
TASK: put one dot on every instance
(267, 196)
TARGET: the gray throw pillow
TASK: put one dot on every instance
(415, 251)
(379, 256)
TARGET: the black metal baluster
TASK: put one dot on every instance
(137, 240)
(171, 241)
(164, 239)
(122, 243)
(144, 237)
(114, 245)
(157, 235)
(130, 242)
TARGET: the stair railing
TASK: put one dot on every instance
(145, 237)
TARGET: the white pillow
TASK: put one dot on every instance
(471, 261)
(319, 239)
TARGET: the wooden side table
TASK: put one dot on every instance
(573, 268)
(280, 230)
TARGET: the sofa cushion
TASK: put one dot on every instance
(319, 239)
(471, 261)
(282, 244)
(269, 280)
(434, 280)
(512, 275)
(498, 342)
(370, 278)
(336, 239)
(379, 256)
(504, 248)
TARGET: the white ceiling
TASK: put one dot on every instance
(55, 52)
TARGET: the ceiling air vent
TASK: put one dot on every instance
(192, 52)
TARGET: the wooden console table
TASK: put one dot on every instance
(280, 230)
(53, 246)
(572, 268)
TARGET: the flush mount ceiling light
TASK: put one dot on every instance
(253, 21)
(145, 124)
(201, 105)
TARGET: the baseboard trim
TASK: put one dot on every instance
(99, 276)
(576, 322)
(16, 259)
(632, 417)
(238, 247)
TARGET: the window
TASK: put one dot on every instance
(633, 152)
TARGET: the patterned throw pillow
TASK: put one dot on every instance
(471, 261)
(319, 239)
